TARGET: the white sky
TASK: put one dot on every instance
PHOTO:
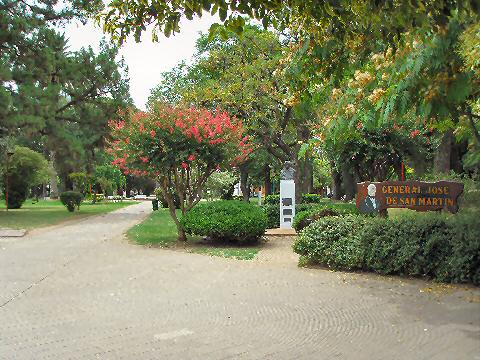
(145, 60)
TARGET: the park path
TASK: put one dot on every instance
(81, 291)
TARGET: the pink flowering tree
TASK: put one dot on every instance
(180, 148)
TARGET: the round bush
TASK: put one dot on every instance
(305, 218)
(309, 213)
(333, 242)
(272, 199)
(226, 220)
(71, 199)
(311, 199)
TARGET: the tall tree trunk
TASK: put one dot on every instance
(441, 162)
(308, 176)
(268, 180)
(173, 210)
(244, 183)
(298, 181)
(458, 151)
(336, 185)
(348, 182)
(44, 191)
(53, 177)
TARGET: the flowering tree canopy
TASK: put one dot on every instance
(180, 148)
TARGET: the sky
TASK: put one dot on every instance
(145, 60)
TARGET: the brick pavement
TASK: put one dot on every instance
(81, 291)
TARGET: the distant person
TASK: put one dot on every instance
(370, 204)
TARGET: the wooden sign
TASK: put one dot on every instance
(416, 195)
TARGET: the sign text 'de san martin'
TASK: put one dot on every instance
(416, 195)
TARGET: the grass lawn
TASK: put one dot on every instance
(160, 230)
(50, 212)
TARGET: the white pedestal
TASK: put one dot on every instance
(287, 203)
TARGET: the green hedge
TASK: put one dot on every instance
(312, 199)
(435, 246)
(272, 200)
(71, 199)
(305, 217)
(273, 210)
(226, 220)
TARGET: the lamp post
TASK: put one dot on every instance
(9, 155)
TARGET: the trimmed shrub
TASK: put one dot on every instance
(305, 218)
(71, 199)
(309, 213)
(26, 168)
(311, 199)
(226, 220)
(444, 248)
(272, 200)
(333, 242)
(272, 212)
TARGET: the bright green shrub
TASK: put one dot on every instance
(308, 213)
(272, 200)
(305, 218)
(444, 248)
(311, 198)
(71, 199)
(226, 220)
(304, 207)
(272, 212)
(463, 261)
(333, 242)
(26, 168)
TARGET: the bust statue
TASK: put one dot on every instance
(288, 171)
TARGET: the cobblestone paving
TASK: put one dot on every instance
(81, 291)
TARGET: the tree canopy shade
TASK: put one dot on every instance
(54, 100)
(340, 17)
(246, 76)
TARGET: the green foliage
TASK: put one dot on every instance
(110, 178)
(80, 181)
(307, 216)
(163, 201)
(235, 221)
(272, 212)
(272, 200)
(438, 247)
(380, 18)
(311, 198)
(24, 169)
(71, 200)
(333, 242)
(221, 185)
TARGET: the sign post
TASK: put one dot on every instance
(287, 196)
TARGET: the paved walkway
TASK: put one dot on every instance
(80, 291)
